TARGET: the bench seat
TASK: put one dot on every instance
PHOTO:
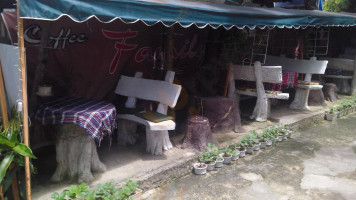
(338, 76)
(310, 87)
(270, 96)
(164, 125)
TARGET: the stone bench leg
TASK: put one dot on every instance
(76, 155)
(300, 101)
(157, 141)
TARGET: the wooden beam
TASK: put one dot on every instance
(21, 44)
(5, 117)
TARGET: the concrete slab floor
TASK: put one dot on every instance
(132, 162)
(317, 163)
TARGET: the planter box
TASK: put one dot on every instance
(331, 117)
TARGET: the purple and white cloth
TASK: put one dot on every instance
(98, 118)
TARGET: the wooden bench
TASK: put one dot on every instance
(260, 74)
(342, 81)
(307, 67)
(164, 92)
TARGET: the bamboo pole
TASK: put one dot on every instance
(24, 99)
(14, 185)
(5, 117)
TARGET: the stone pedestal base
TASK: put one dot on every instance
(300, 101)
(76, 155)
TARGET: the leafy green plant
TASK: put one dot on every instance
(249, 140)
(335, 5)
(332, 110)
(266, 135)
(12, 150)
(228, 152)
(108, 191)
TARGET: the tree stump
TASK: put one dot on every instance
(223, 113)
(330, 92)
(316, 97)
(198, 133)
(76, 155)
(343, 85)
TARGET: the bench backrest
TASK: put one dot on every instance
(307, 67)
(270, 74)
(147, 89)
(340, 63)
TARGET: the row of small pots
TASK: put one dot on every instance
(338, 114)
(202, 168)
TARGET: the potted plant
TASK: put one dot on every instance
(200, 168)
(339, 110)
(214, 153)
(226, 155)
(207, 158)
(242, 148)
(251, 142)
(260, 139)
(267, 137)
(235, 151)
(331, 115)
(218, 161)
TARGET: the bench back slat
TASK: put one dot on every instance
(340, 63)
(153, 90)
(298, 65)
(270, 74)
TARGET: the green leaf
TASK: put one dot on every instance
(23, 150)
(6, 142)
(4, 165)
(8, 179)
(55, 196)
(14, 135)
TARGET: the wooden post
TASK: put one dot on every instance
(353, 83)
(227, 79)
(21, 44)
(5, 117)
(169, 48)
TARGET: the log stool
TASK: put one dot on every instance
(198, 133)
(316, 98)
(76, 155)
(223, 113)
(330, 92)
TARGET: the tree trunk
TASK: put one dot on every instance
(76, 155)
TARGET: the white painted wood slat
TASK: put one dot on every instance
(298, 65)
(153, 90)
(270, 74)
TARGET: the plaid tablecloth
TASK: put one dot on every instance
(289, 80)
(96, 117)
